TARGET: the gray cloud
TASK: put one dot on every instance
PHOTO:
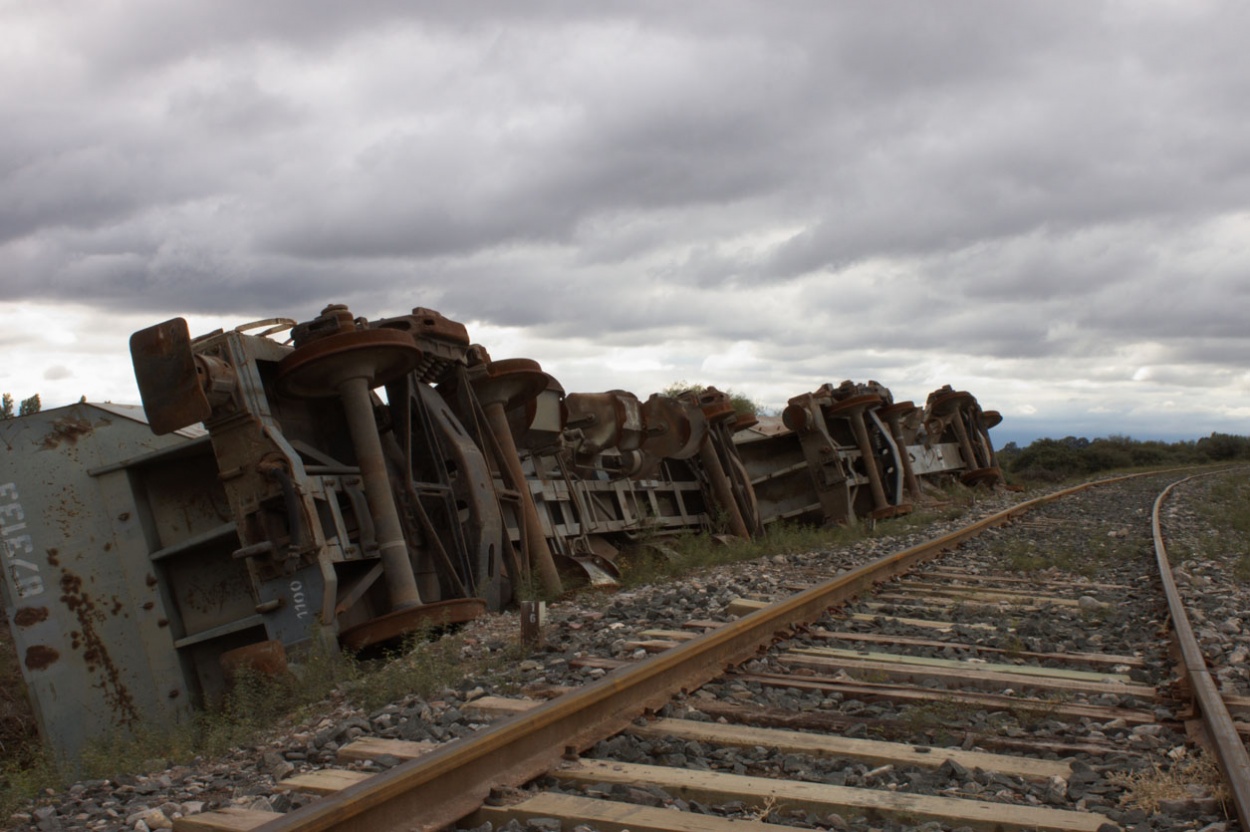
(977, 188)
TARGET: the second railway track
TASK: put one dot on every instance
(1022, 681)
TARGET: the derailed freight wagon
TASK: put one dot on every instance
(112, 538)
(369, 476)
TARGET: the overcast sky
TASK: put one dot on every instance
(1045, 203)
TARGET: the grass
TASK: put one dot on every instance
(1225, 508)
(1031, 715)
(17, 720)
(656, 558)
(1024, 555)
(423, 666)
(24, 777)
(1228, 504)
(661, 560)
(1088, 559)
(930, 719)
(25, 769)
(1241, 568)
(1014, 646)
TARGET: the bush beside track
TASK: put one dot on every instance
(1058, 460)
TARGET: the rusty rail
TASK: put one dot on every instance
(1230, 751)
(444, 786)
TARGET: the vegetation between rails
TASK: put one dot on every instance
(1087, 558)
(1186, 779)
(1224, 509)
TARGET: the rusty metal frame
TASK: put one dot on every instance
(463, 486)
(80, 558)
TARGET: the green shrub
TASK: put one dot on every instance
(1056, 460)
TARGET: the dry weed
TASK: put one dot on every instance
(761, 812)
(1187, 779)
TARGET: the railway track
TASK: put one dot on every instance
(1004, 685)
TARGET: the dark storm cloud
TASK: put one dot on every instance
(889, 139)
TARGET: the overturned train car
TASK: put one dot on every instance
(367, 478)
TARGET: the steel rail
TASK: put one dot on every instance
(439, 788)
(1230, 751)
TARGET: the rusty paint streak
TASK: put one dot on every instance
(95, 650)
(66, 430)
(30, 616)
(40, 656)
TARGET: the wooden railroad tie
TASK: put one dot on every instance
(717, 787)
(1075, 658)
(1080, 586)
(1091, 676)
(870, 691)
(965, 674)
